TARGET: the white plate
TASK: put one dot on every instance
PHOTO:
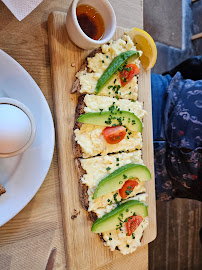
(23, 175)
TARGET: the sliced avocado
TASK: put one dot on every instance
(117, 62)
(116, 180)
(115, 118)
(112, 220)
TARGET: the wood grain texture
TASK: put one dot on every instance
(66, 60)
(26, 240)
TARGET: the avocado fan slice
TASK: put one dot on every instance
(116, 179)
(115, 118)
(116, 217)
(113, 67)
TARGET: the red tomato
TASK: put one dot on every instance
(128, 72)
(132, 224)
(114, 134)
(127, 188)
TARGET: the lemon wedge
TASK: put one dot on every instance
(144, 42)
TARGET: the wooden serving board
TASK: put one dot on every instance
(84, 249)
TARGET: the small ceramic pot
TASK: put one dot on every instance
(75, 32)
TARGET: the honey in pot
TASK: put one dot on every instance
(90, 21)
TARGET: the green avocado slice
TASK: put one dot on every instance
(115, 118)
(117, 62)
(112, 220)
(116, 180)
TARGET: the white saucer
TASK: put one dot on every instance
(23, 175)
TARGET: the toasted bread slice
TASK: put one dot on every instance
(76, 85)
(84, 197)
(97, 62)
(90, 171)
(77, 151)
(2, 190)
(83, 189)
(93, 67)
(92, 103)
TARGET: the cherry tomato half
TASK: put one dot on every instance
(114, 134)
(132, 224)
(127, 188)
(128, 72)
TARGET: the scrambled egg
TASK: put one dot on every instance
(93, 143)
(96, 103)
(98, 64)
(104, 200)
(126, 244)
(97, 168)
(104, 210)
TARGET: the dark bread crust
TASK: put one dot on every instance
(76, 85)
(77, 151)
(83, 195)
(2, 190)
(79, 110)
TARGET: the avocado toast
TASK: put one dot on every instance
(110, 169)
(88, 140)
(89, 172)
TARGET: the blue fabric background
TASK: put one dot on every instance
(177, 130)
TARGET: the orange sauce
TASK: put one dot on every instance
(90, 21)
